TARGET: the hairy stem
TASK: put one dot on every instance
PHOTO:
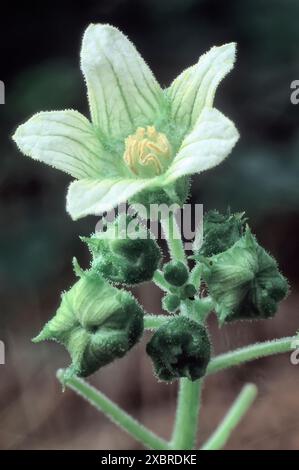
(160, 281)
(202, 308)
(252, 352)
(186, 422)
(239, 408)
(114, 412)
(173, 236)
(152, 322)
(195, 275)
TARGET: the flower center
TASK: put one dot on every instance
(148, 152)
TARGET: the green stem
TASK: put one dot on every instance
(239, 408)
(202, 308)
(152, 322)
(186, 422)
(250, 353)
(185, 308)
(160, 281)
(173, 237)
(113, 412)
(195, 275)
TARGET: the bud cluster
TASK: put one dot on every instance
(242, 278)
(125, 253)
(176, 274)
(98, 321)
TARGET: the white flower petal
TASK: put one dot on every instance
(123, 93)
(93, 197)
(195, 88)
(65, 140)
(210, 142)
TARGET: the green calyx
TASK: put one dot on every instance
(171, 302)
(96, 322)
(221, 231)
(125, 253)
(174, 193)
(176, 273)
(244, 281)
(180, 348)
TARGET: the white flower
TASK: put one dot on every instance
(140, 137)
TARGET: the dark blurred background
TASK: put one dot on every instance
(40, 44)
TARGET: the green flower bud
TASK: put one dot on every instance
(96, 322)
(220, 232)
(180, 348)
(244, 281)
(171, 302)
(188, 291)
(176, 273)
(121, 258)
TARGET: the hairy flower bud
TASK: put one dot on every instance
(188, 291)
(124, 255)
(171, 302)
(180, 348)
(244, 281)
(176, 273)
(96, 322)
(221, 231)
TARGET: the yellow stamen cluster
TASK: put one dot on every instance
(148, 152)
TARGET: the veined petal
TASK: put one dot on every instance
(195, 88)
(123, 93)
(210, 142)
(93, 197)
(65, 140)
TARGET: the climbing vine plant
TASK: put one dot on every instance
(142, 146)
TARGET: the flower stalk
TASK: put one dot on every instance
(221, 362)
(251, 353)
(153, 322)
(173, 237)
(235, 414)
(186, 421)
(113, 412)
